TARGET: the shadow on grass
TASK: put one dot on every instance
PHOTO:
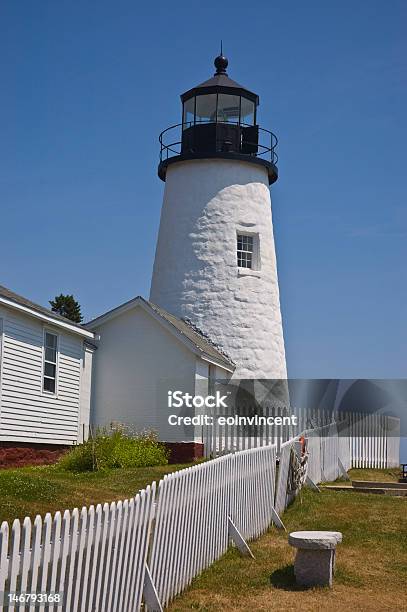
(284, 578)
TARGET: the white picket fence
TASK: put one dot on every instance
(222, 439)
(327, 449)
(95, 557)
(282, 480)
(374, 439)
(191, 529)
(330, 454)
(106, 558)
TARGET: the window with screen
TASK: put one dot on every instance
(49, 383)
(245, 251)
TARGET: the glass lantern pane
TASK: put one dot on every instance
(206, 108)
(188, 116)
(228, 108)
(247, 112)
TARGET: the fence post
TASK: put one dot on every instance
(238, 539)
(150, 594)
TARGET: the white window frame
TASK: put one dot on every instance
(255, 253)
(44, 391)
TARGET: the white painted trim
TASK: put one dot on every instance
(89, 349)
(49, 319)
(43, 391)
(172, 329)
(111, 314)
(256, 259)
(37, 440)
(80, 404)
(217, 363)
(248, 272)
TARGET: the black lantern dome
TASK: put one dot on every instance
(221, 63)
(219, 119)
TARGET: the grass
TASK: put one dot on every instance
(371, 561)
(389, 475)
(38, 490)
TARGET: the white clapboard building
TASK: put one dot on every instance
(144, 353)
(45, 376)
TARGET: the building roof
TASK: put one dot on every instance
(184, 329)
(9, 298)
(220, 82)
(201, 340)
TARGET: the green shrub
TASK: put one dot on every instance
(115, 449)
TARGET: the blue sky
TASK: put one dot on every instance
(86, 89)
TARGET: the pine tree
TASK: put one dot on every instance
(67, 306)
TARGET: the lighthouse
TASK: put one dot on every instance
(215, 261)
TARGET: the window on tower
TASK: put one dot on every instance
(245, 250)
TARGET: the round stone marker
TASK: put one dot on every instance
(315, 540)
(315, 559)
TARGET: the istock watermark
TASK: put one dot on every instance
(177, 399)
(235, 419)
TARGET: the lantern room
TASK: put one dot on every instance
(219, 119)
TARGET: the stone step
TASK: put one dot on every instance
(372, 483)
(376, 490)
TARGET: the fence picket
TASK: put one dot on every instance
(82, 528)
(35, 557)
(65, 540)
(4, 542)
(95, 567)
(45, 564)
(14, 558)
(25, 556)
(87, 553)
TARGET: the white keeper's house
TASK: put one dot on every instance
(45, 380)
(214, 307)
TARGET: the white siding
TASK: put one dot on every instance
(26, 413)
(136, 363)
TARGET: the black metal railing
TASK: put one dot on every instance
(262, 143)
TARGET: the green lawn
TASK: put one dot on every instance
(38, 490)
(388, 475)
(371, 561)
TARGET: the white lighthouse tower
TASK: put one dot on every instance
(215, 262)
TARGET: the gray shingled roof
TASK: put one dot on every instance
(201, 341)
(204, 344)
(22, 301)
